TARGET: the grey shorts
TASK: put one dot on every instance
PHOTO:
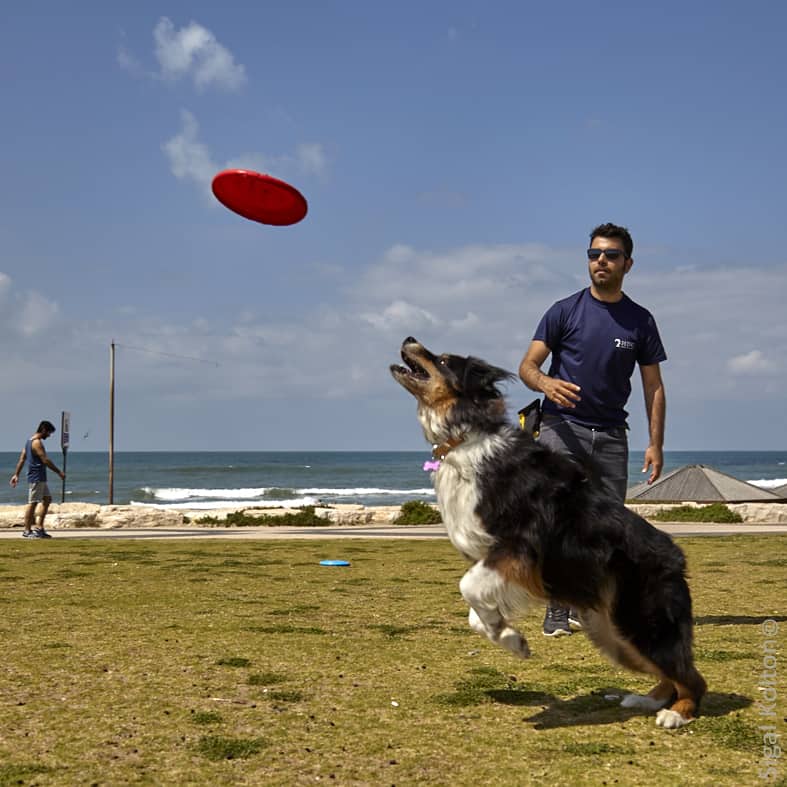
(38, 492)
(608, 448)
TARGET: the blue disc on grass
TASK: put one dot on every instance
(334, 562)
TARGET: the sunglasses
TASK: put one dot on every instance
(613, 255)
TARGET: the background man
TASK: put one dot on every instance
(596, 336)
(38, 491)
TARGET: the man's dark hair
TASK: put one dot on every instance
(610, 230)
(48, 425)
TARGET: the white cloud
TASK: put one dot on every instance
(5, 284)
(194, 52)
(400, 316)
(308, 159)
(721, 328)
(258, 162)
(753, 362)
(190, 159)
(312, 158)
(35, 314)
(480, 300)
(460, 277)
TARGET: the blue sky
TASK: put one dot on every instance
(454, 155)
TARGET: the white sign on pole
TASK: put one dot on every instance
(65, 429)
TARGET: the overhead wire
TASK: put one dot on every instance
(168, 355)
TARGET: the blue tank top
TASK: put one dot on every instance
(36, 469)
(596, 345)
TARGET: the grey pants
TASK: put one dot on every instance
(608, 448)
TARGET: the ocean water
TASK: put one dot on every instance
(211, 480)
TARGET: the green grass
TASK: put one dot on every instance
(234, 661)
(206, 717)
(277, 671)
(214, 747)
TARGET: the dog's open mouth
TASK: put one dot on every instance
(416, 374)
(414, 370)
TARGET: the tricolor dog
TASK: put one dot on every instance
(535, 526)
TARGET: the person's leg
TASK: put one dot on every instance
(45, 503)
(39, 493)
(34, 492)
(30, 514)
(611, 455)
(564, 438)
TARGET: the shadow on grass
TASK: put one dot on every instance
(601, 706)
(595, 709)
(487, 684)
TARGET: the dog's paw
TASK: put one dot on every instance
(670, 719)
(642, 701)
(512, 640)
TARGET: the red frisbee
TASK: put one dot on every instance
(259, 197)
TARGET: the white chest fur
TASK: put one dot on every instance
(457, 496)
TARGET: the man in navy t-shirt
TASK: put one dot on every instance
(596, 337)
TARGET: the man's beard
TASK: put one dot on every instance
(610, 283)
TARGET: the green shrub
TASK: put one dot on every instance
(305, 517)
(416, 512)
(715, 512)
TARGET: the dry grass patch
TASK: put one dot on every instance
(116, 668)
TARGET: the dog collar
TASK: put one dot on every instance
(439, 452)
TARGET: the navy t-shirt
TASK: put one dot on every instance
(596, 345)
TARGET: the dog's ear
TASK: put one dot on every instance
(482, 379)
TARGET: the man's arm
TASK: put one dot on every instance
(38, 447)
(558, 391)
(656, 409)
(19, 465)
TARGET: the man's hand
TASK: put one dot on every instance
(560, 392)
(14, 480)
(654, 458)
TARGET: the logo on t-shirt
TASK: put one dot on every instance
(624, 344)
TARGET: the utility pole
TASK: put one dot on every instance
(111, 421)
